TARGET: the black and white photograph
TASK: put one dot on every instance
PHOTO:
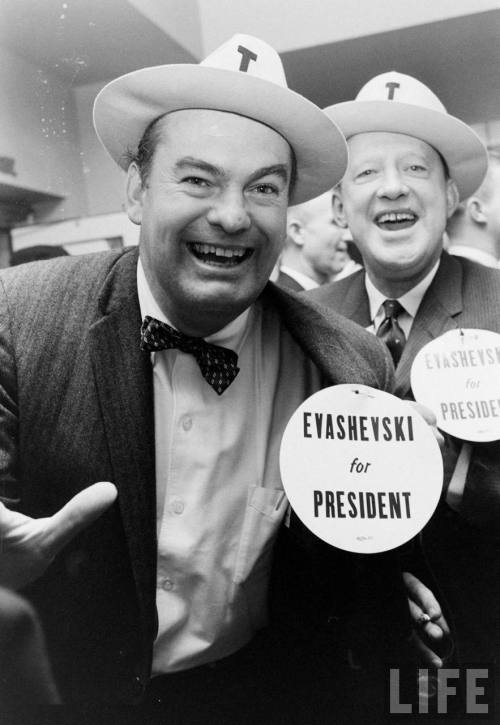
(249, 362)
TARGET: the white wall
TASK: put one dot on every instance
(79, 236)
(178, 18)
(38, 129)
(104, 180)
(290, 25)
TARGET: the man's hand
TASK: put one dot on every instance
(430, 419)
(431, 634)
(28, 546)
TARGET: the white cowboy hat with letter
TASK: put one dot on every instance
(244, 76)
(397, 103)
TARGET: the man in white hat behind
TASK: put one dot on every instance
(171, 372)
(410, 163)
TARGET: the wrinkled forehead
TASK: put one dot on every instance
(200, 126)
(383, 143)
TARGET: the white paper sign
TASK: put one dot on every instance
(361, 468)
(457, 376)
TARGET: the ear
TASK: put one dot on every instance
(135, 194)
(294, 231)
(476, 210)
(338, 208)
(452, 197)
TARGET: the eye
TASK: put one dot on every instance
(266, 189)
(418, 168)
(195, 181)
(365, 173)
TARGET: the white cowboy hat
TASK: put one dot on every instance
(244, 76)
(397, 103)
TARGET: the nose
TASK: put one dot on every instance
(392, 185)
(229, 212)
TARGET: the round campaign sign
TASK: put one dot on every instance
(457, 376)
(361, 468)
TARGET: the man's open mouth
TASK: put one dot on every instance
(394, 221)
(220, 256)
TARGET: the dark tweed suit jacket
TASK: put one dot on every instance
(76, 407)
(461, 549)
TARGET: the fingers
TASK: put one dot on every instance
(431, 629)
(425, 654)
(78, 513)
(425, 412)
(8, 520)
(434, 630)
(430, 419)
(424, 607)
(422, 596)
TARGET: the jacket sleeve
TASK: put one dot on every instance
(9, 492)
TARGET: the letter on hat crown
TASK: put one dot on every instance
(244, 76)
(402, 89)
(249, 55)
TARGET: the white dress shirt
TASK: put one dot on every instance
(220, 499)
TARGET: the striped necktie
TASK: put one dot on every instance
(389, 330)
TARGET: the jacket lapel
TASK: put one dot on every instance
(355, 305)
(123, 380)
(322, 333)
(436, 315)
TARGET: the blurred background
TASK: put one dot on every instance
(57, 185)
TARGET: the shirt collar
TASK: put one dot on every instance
(229, 336)
(410, 300)
(304, 281)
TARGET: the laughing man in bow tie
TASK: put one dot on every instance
(171, 371)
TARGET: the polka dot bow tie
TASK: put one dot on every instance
(218, 365)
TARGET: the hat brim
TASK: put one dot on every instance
(458, 144)
(126, 106)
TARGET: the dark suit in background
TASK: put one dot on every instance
(284, 280)
(463, 548)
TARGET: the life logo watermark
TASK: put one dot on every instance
(449, 693)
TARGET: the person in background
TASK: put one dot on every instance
(311, 254)
(410, 163)
(36, 253)
(474, 228)
(353, 259)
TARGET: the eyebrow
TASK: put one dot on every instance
(278, 169)
(192, 162)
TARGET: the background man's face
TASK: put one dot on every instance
(341, 256)
(492, 201)
(322, 236)
(212, 214)
(395, 199)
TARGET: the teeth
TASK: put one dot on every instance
(218, 251)
(396, 217)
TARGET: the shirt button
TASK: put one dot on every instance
(178, 507)
(168, 585)
(187, 423)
